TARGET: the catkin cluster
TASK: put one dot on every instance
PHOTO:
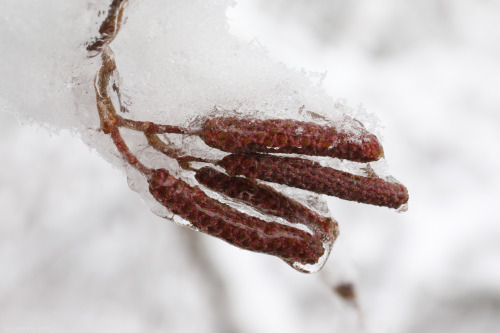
(287, 229)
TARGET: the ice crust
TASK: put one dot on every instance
(176, 62)
(186, 64)
(41, 51)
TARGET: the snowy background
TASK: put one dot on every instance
(80, 252)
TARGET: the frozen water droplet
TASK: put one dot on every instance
(94, 53)
(403, 208)
(313, 268)
(132, 183)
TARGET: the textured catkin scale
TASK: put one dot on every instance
(267, 200)
(217, 219)
(290, 136)
(309, 175)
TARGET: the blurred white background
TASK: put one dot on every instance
(79, 252)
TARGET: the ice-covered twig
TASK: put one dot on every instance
(285, 228)
(150, 127)
(177, 154)
(109, 27)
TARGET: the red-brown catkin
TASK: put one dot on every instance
(290, 136)
(217, 219)
(309, 175)
(266, 200)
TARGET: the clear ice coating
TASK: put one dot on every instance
(140, 80)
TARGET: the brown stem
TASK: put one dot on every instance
(127, 155)
(155, 142)
(107, 112)
(150, 127)
(110, 26)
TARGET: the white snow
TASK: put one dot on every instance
(79, 252)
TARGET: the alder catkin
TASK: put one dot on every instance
(266, 200)
(290, 136)
(217, 219)
(310, 175)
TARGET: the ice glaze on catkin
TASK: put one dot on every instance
(266, 200)
(220, 220)
(312, 176)
(290, 136)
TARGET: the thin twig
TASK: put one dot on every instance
(127, 155)
(110, 26)
(151, 128)
(183, 160)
